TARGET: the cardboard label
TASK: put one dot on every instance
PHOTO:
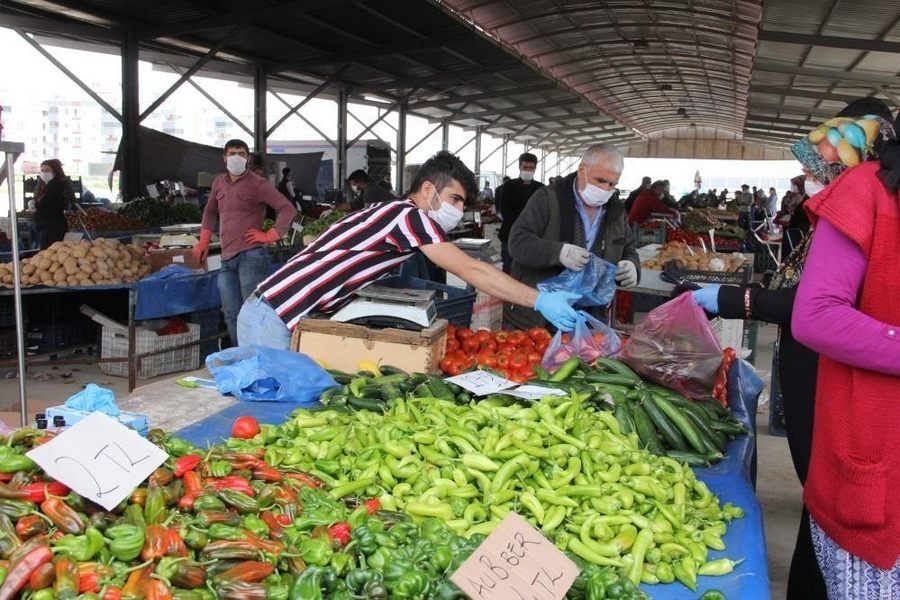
(534, 392)
(99, 458)
(481, 383)
(516, 562)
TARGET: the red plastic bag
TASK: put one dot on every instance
(590, 340)
(675, 346)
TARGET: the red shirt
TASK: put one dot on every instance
(645, 204)
(241, 205)
(854, 471)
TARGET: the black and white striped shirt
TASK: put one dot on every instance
(355, 251)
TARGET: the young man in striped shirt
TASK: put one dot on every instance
(368, 244)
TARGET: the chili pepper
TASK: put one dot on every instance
(304, 479)
(219, 468)
(241, 501)
(113, 593)
(173, 492)
(232, 482)
(134, 515)
(208, 502)
(82, 547)
(267, 473)
(16, 508)
(278, 587)
(372, 506)
(186, 502)
(11, 462)
(156, 542)
(102, 520)
(11, 492)
(685, 571)
(265, 545)
(154, 589)
(160, 477)
(250, 571)
(9, 538)
(139, 496)
(240, 590)
(88, 575)
(225, 550)
(30, 526)
(134, 584)
(195, 539)
(273, 524)
(207, 518)
(127, 541)
(185, 464)
(63, 516)
(266, 496)
(22, 569)
(37, 492)
(154, 505)
(721, 566)
(175, 545)
(192, 481)
(67, 581)
(200, 594)
(181, 573)
(219, 531)
(42, 577)
(255, 525)
(340, 533)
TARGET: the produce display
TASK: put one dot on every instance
(101, 221)
(694, 239)
(322, 223)
(515, 355)
(157, 213)
(695, 258)
(702, 220)
(80, 263)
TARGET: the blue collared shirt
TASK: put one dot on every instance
(591, 228)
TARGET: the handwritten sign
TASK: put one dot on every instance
(481, 383)
(99, 458)
(516, 562)
(534, 392)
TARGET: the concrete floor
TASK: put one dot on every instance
(778, 490)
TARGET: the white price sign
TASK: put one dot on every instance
(481, 383)
(99, 458)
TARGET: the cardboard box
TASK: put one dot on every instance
(179, 256)
(342, 346)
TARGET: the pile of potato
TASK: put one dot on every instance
(698, 260)
(80, 263)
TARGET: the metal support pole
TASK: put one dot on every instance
(319, 89)
(362, 124)
(305, 120)
(503, 156)
(341, 171)
(445, 136)
(401, 147)
(130, 176)
(477, 152)
(10, 150)
(375, 122)
(260, 133)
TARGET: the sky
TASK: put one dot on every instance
(31, 79)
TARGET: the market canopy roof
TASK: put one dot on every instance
(559, 73)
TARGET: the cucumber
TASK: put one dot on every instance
(717, 439)
(677, 417)
(439, 389)
(623, 416)
(370, 404)
(709, 410)
(391, 370)
(610, 378)
(463, 397)
(417, 378)
(392, 379)
(669, 432)
(340, 377)
(733, 429)
(389, 393)
(615, 366)
(645, 430)
(693, 459)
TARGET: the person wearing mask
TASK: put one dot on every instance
(487, 194)
(286, 185)
(629, 201)
(366, 190)
(772, 204)
(237, 203)
(563, 226)
(847, 309)
(797, 363)
(51, 200)
(511, 203)
(370, 243)
(648, 203)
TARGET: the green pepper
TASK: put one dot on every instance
(134, 515)
(315, 551)
(126, 541)
(441, 558)
(712, 595)
(208, 502)
(220, 531)
(240, 501)
(308, 585)
(721, 566)
(339, 562)
(278, 587)
(358, 579)
(685, 571)
(15, 508)
(154, 505)
(446, 590)
(403, 580)
(219, 468)
(255, 525)
(81, 548)
(43, 594)
(11, 462)
(365, 539)
(195, 539)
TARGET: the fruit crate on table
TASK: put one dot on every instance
(115, 345)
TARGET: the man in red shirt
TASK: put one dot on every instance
(649, 202)
(237, 202)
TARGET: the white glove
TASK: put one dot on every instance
(574, 257)
(626, 274)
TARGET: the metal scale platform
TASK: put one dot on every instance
(381, 307)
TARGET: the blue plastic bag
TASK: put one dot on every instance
(590, 340)
(596, 283)
(257, 373)
(93, 397)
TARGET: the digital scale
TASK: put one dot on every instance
(381, 307)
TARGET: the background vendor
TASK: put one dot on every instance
(238, 201)
(368, 244)
(50, 202)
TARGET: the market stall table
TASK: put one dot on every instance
(203, 416)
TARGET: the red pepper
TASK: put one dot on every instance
(6, 476)
(156, 543)
(305, 479)
(186, 463)
(274, 523)
(29, 526)
(89, 575)
(266, 545)
(232, 482)
(192, 481)
(63, 516)
(340, 532)
(22, 569)
(284, 519)
(37, 492)
(372, 506)
(157, 590)
(285, 495)
(134, 585)
(186, 502)
(250, 571)
(42, 577)
(267, 474)
(113, 593)
(175, 545)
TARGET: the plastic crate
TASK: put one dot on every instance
(115, 345)
(763, 261)
(59, 335)
(675, 273)
(452, 303)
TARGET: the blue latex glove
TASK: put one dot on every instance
(556, 307)
(708, 298)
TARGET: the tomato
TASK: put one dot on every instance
(517, 361)
(534, 358)
(451, 330)
(526, 344)
(464, 333)
(486, 358)
(541, 346)
(445, 364)
(538, 333)
(503, 361)
(501, 336)
(565, 338)
(491, 345)
(518, 377)
(507, 348)
(483, 336)
(527, 371)
(244, 427)
(455, 368)
(517, 336)
(452, 344)
(470, 345)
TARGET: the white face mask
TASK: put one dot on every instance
(596, 196)
(446, 215)
(235, 164)
(526, 175)
(355, 188)
(794, 189)
(813, 187)
(46, 176)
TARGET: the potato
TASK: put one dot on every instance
(98, 251)
(59, 275)
(71, 266)
(96, 276)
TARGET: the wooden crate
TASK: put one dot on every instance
(342, 346)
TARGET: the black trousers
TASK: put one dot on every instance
(51, 232)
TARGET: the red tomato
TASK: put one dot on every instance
(491, 345)
(455, 368)
(507, 348)
(526, 344)
(503, 361)
(464, 333)
(565, 338)
(541, 346)
(470, 345)
(501, 336)
(244, 427)
(451, 330)
(538, 333)
(483, 336)
(516, 337)
(487, 358)
(527, 371)
(534, 358)
(452, 344)
(517, 361)
(517, 377)
(445, 363)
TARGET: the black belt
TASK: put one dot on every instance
(259, 295)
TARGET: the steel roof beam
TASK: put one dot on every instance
(480, 115)
(791, 109)
(715, 33)
(829, 41)
(869, 78)
(462, 75)
(50, 26)
(214, 102)
(798, 93)
(505, 93)
(772, 119)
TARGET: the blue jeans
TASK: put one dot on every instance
(259, 325)
(238, 277)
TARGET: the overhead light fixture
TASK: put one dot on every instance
(682, 111)
(666, 87)
(641, 43)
